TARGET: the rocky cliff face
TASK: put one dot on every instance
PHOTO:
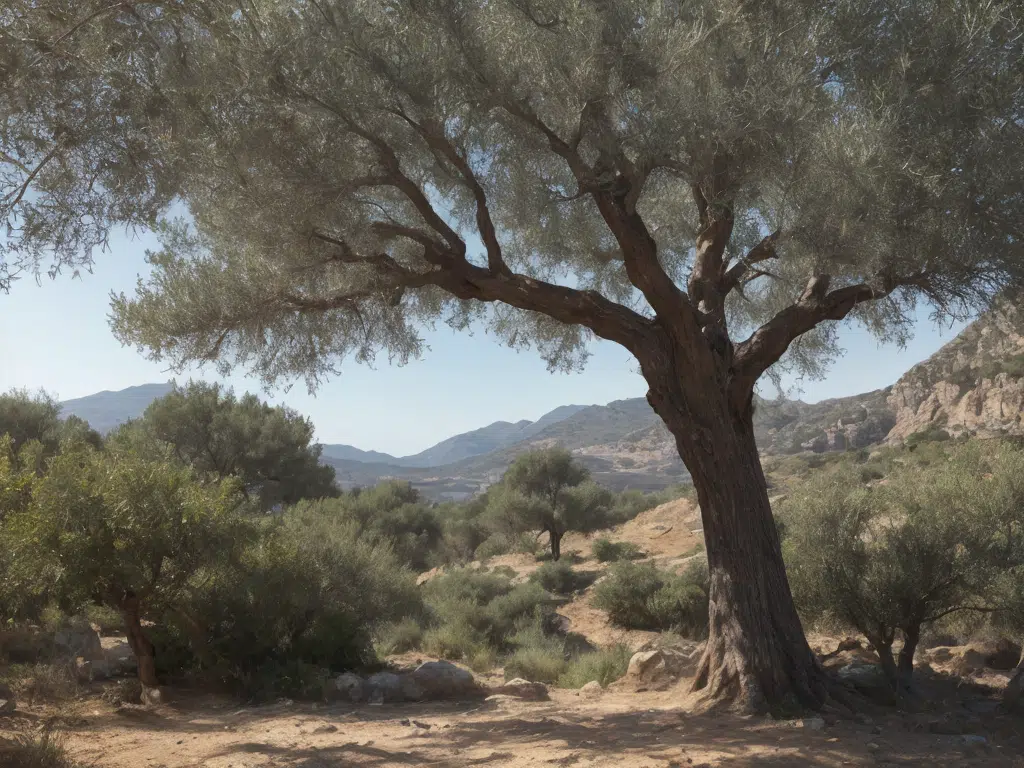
(974, 384)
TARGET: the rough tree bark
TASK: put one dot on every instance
(145, 653)
(556, 544)
(757, 658)
(905, 664)
(1014, 692)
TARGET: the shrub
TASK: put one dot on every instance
(498, 544)
(641, 596)
(608, 551)
(605, 666)
(42, 683)
(309, 591)
(398, 637)
(106, 618)
(938, 539)
(559, 577)
(539, 664)
(126, 691)
(46, 750)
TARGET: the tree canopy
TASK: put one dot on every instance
(211, 430)
(353, 169)
(547, 491)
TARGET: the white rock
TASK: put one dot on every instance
(350, 686)
(524, 689)
(662, 665)
(444, 680)
(593, 688)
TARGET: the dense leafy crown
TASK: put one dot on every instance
(354, 168)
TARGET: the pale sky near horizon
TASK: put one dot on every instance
(55, 336)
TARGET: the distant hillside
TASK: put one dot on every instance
(974, 384)
(106, 410)
(477, 442)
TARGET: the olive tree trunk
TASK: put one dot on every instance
(1014, 693)
(757, 658)
(145, 653)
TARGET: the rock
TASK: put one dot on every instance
(444, 680)
(1003, 654)
(350, 686)
(152, 697)
(813, 723)
(661, 666)
(7, 703)
(970, 661)
(384, 687)
(593, 688)
(326, 728)
(502, 698)
(523, 689)
(411, 690)
(974, 740)
(868, 679)
(79, 640)
(118, 656)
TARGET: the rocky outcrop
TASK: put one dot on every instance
(974, 384)
(431, 681)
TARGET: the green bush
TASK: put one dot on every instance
(398, 637)
(605, 666)
(498, 544)
(309, 591)
(106, 618)
(46, 750)
(559, 577)
(641, 596)
(608, 551)
(539, 664)
(475, 613)
(41, 683)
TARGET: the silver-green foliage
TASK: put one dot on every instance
(934, 540)
(355, 168)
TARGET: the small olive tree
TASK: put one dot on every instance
(123, 531)
(889, 560)
(207, 427)
(547, 491)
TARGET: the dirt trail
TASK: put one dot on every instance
(617, 729)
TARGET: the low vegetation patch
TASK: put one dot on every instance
(560, 578)
(605, 666)
(608, 551)
(642, 596)
(46, 750)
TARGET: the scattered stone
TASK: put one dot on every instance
(326, 728)
(350, 686)
(79, 640)
(660, 666)
(593, 688)
(877, 730)
(523, 689)
(405, 721)
(501, 698)
(152, 697)
(444, 680)
(813, 723)
(384, 687)
(7, 703)
(425, 726)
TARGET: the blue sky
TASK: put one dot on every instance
(56, 336)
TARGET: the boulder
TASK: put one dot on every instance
(1002, 654)
(79, 640)
(593, 688)
(350, 686)
(443, 680)
(523, 689)
(660, 666)
(969, 662)
(384, 687)
(7, 702)
(118, 656)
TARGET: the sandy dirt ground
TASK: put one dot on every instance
(622, 727)
(638, 730)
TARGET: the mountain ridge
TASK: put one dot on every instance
(973, 384)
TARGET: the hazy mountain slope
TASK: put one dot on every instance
(351, 453)
(974, 384)
(106, 410)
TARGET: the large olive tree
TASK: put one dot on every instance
(710, 184)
